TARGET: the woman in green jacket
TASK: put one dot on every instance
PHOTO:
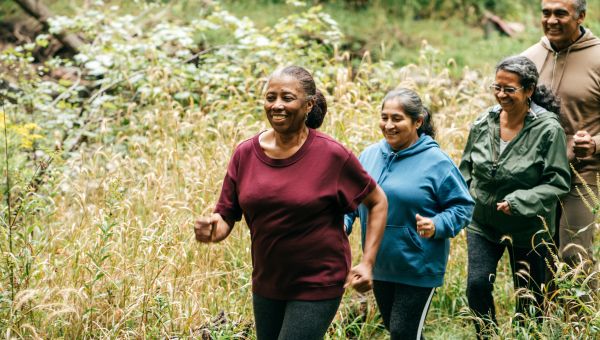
(516, 167)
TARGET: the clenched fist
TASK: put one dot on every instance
(583, 144)
(211, 229)
(203, 228)
(425, 226)
(360, 278)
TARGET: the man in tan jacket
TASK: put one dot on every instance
(568, 60)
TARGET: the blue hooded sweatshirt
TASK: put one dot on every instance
(419, 179)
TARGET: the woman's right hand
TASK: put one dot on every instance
(504, 206)
(211, 229)
(203, 228)
(360, 278)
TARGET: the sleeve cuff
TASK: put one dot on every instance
(440, 227)
(358, 199)
(596, 140)
(226, 217)
(512, 204)
(348, 222)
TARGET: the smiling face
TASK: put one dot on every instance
(516, 102)
(286, 104)
(561, 22)
(398, 128)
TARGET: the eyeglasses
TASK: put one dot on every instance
(506, 89)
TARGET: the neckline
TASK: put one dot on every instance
(566, 48)
(281, 162)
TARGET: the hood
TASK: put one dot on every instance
(588, 39)
(544, 56)
(536, 115)
(424, 142)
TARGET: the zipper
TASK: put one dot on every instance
(495, 155)
(553, 71)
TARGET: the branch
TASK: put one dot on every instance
(38, 10)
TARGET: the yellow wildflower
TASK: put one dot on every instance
(26, 132)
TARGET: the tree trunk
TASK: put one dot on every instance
(38, 10)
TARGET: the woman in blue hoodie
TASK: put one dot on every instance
(428, 203)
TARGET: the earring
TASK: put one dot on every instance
(529, 100)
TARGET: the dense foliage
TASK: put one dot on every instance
(466, 9)
(420, 9)
(110, 156)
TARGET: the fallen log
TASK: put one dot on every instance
(39, 11)
(491, 22)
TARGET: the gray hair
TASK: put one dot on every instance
(413, 107)
(408, 99)
(528, 75)
(580, 6)
(521, 66)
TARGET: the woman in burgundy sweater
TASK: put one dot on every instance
(293, 186)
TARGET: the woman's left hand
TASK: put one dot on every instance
(504, 207)
(360, 278)
(425, 226)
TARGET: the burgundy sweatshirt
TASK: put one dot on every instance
(295, 210)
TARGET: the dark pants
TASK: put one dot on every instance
(528, 271)
(293, 319)
(403, 308)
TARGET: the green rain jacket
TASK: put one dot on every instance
(530, 174)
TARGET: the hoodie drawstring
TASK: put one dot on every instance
(562, 73)
(386, 169)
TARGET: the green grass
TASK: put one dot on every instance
(386, 34)
(398, 39)
(379, 28)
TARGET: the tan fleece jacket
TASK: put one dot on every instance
(574, 75)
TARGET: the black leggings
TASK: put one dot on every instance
(293, 319)
(403, 308)
(484, 256)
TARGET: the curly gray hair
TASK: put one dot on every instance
(528, 78)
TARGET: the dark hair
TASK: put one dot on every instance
(319, 110)
(412, 106)
(528, 78)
